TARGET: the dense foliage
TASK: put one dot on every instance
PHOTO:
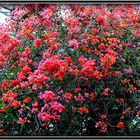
(70, 70)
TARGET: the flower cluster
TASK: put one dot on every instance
(73, 71)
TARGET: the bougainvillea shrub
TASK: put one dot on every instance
(70, 70)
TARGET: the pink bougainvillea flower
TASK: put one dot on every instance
(47, 95)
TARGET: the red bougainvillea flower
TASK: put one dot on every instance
(3, 108)
(126, 111)
(22, 120)
(120, 125)
(117, 73)
(77, 90)
(125, 80)
(107, 60)
(5, 85)
(79, 98)
(34, 110)
(27, 52)
(25, 69)
(106, 92)
(2, 58)
(37, 43)
(3, 133)
(35, 104)
(104, 116)
(92, 96)
(121, 100)
(101, 20)
(44, 116)
(138, 113)
(14, 103)
(27, 100)
(83, 110)
(102, 126)
(67, 96)
(9, 96)
(94, 30)
(101, 46)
